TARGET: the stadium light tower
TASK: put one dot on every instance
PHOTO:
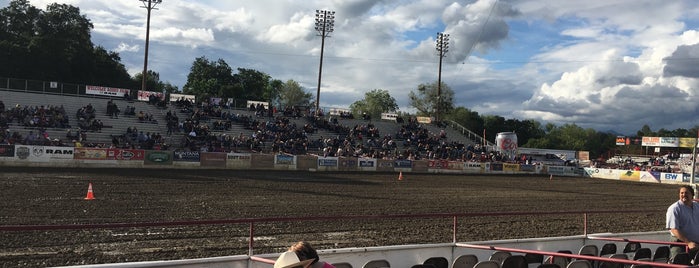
(148, 5)
(442, 48)
(325, 21)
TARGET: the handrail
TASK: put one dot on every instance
(575, 256)
(638, 240)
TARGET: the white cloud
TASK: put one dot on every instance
(606, 64)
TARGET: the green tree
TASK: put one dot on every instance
(427, 101)
(292, 94)
(208, 79)
(55, 45)
(254, 85)
(375, 102)
(153, 83)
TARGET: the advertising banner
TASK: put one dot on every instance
(384, 165)
(262, 161)
(402, 164)
(158, 158)
(125, 154)
(327, 161)
(175, 97)
(213, 159)
(238, 160)
(90, 154)
(496, 166)
(43, 153)
(473, 167)
(7, 150)
(145, 95)
(106, 91)
(507, 167)
(348, 164)
(367, 164)
(187, 156)
(284, 162)
(306, 162)
(284, 159)
(687, 142)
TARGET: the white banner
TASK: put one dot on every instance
(144, 95)
(106, 91)
(43, 153)
(176, 97)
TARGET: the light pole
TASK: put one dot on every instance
(148, 5)
(442, 48)
(325, 21)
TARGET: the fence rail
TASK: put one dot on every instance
(254, 221)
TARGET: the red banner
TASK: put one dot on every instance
(125, 154)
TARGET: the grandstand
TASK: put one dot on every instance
(327, 134)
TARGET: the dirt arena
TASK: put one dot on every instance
(56, 197)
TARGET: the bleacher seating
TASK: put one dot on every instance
(114, 128)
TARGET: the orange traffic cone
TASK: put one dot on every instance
(90, 195)
(400, 176)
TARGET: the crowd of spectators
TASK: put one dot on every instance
(207, 127)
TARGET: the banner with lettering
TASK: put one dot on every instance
(43, 153)
(106, 91)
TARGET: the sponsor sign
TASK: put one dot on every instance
(106, 91)
(327, 161)
(527, 168)
(348, 162)
(238, 156)
(44, 153)
(510, 167)
(403, 164)
(144, 95)
(7, 150)
(496, 166)
(473, 166)
(91, 153)
(660, 141)
(186, 156)
(176, 97)
(238, 160)
(621, 140)
(158, 158)
(283, 159)
(424, 120)
(125, 154)
(367, 162)
(687, 142)
(389, 116)
(213, 159)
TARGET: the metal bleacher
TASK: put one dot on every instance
(71, 104)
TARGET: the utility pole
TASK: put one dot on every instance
(442, 43)
(325, 21)
(148, 5)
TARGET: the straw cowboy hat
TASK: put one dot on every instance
(289, 259)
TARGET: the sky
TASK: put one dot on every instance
(609, 65)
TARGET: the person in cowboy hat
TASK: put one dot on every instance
(305, 251)
(290, 260)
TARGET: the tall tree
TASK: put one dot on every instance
(54, 45)
(208, 78)
(153, 82)
(255, 85)
(427, 102)
(375, 102)
(292, 94)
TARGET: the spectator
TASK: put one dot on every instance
(682, 219)
(304, 252)
(290, 260)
